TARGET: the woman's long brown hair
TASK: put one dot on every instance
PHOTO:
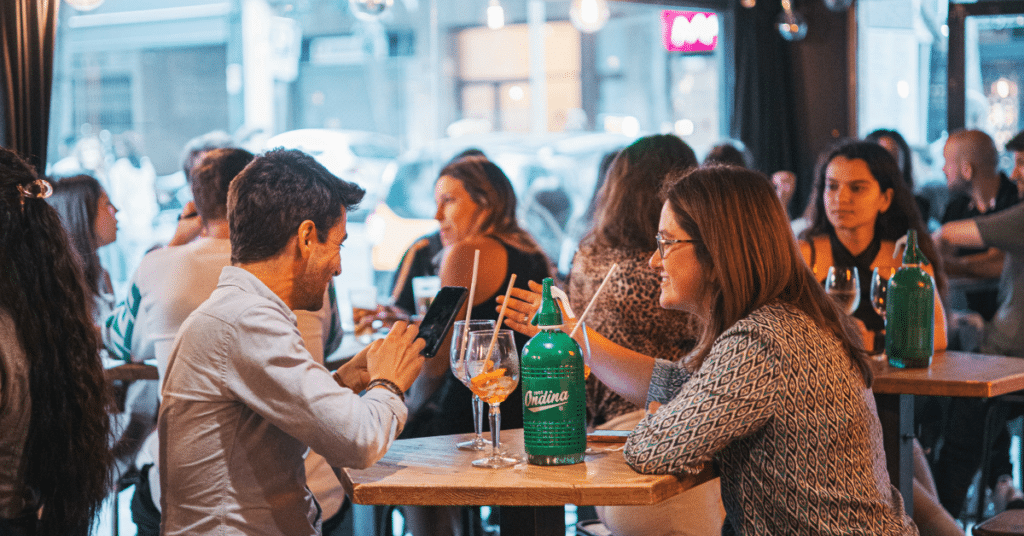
(627, 216)
(746, 246)
(490, 188)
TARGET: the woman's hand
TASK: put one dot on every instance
(522, 305)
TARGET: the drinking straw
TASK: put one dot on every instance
(501, 315)
(469, 304)
(579, 321)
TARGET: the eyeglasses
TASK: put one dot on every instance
(665, 242)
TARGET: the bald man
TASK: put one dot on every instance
(976, 188)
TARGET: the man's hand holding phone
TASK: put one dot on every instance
(396, 357)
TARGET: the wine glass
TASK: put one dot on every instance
(492, 363)
(458, 361)
(879, 286)
(583, 341)
(843, 285)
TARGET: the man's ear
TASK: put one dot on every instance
(966, 170)
(306, 235)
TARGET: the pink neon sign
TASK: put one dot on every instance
(689, 31)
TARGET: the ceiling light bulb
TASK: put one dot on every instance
(495, 15)
(84, 5)
(589, 16)
(838, 6)
(792, 25)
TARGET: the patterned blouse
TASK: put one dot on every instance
(628, 314)
(785, 415)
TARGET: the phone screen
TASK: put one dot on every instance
(440, 317)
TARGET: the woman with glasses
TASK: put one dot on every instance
(627, 312)
(775, 394)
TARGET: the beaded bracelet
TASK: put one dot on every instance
(387, 384)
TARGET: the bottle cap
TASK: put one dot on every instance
(549, 314)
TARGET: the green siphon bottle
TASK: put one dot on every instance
(554, 391)
(910, 311)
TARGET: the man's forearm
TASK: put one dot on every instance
(988, 264)
(961, 233)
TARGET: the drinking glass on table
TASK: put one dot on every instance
(458, 363)
(494, 374)
(843, 285)
(364, 312)
(879, 286)
(424, 288)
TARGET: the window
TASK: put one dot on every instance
(147, 76)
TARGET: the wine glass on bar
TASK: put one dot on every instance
(843, 285)
(492, 362)
(879, 286)
(458, 363)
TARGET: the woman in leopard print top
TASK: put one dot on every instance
(626, 221)
(776, 394)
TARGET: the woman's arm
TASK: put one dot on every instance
(734, 394)
(960, 233)
(624, 371)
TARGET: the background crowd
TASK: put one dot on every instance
(712, 259)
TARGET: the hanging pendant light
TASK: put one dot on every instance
(369, 9)
(589, 16)
(792, 25)
(84, 5)
(495, 15)
(748, 3)
(838, 6)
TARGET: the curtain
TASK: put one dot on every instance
(27, 28)
(764, 110)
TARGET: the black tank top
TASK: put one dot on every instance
(450, 410)
(863, 262)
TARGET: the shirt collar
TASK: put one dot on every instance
(250, 284)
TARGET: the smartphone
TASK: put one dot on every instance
(439, 317)
(609, 436)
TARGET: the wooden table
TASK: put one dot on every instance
(131, 372)
(431, 471)
(958, 374)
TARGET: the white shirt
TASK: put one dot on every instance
(167, 286)
(242, 399)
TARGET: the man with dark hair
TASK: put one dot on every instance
(172, 282)
(1016, 146)
(242, 396)
(728, 153)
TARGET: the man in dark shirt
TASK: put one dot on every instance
(977, 188)
(1016, 146)
(971, 173)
